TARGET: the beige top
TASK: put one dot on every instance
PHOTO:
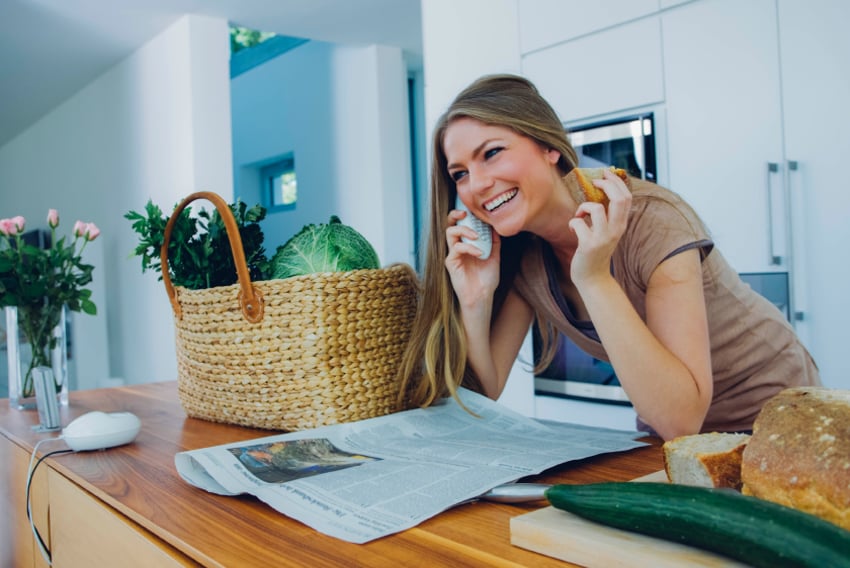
(754, 350)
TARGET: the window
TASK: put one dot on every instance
(279, 184)
(250, 48)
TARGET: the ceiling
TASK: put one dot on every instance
(50, 49)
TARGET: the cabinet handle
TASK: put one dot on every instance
(773, 258)
(796, 314)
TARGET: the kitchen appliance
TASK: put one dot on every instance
(627, 142)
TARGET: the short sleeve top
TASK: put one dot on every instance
(755, 352)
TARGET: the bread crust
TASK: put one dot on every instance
(579, 182)
(799, 453)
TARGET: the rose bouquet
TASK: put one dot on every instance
(41, 282)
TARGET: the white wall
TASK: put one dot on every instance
(343, 112)
(462, 41)
(155, 126)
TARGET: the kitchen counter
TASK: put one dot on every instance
(130, 503)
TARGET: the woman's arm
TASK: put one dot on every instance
(664, 365)
(493, 347)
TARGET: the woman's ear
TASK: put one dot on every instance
(552, 156)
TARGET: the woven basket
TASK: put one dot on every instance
(290, 354)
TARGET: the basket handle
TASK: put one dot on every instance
(250, 298)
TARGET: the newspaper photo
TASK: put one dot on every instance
(364, 480)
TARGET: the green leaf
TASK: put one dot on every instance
(88, 307)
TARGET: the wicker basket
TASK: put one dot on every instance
(290, 354)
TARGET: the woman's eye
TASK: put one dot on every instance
(457, 176)
(492, 152)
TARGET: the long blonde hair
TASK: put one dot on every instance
(434, 364)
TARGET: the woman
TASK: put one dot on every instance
(638, 284)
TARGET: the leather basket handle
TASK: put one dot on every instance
(250, 299)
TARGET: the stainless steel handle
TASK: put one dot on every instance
(791, 166)
(773, 258)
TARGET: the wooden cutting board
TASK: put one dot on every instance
(565, 536)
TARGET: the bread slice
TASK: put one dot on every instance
(705, 460)
(799, 454)
(582, 189)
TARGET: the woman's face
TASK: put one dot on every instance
(504, 178)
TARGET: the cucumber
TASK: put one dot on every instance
(752, 530)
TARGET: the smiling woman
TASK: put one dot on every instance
(630, 276)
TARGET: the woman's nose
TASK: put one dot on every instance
(479, 180)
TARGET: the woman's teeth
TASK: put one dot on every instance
(501, 200)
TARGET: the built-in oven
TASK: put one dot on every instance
(627, 142)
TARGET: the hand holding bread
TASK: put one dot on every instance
(580, 183)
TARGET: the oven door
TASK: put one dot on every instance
(626, 142)
(575, 374)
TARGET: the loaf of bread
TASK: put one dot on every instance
(799, 453)
(582, 189)
(705, 460)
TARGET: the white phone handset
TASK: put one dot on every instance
(485, 237)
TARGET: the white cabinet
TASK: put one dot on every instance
(721, 69)
(619, 68)
(543, 23)
(815, 56)
(757, 114)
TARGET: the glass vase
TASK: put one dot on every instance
(26, 353)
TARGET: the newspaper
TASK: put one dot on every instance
(368, 479)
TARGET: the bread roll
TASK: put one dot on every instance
(705, 460)
(799, 453)
(582, 189)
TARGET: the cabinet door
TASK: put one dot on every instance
(815, 54)
(86, 532)
(721, 71)
(17, 546)
(546, 22)
(606, 72)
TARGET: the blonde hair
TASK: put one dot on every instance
(434, 364)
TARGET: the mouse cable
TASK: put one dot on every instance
(30, 473)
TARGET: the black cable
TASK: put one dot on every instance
(30, 476)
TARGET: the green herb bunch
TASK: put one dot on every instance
(199, 254)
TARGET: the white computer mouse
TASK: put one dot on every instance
(98, 430)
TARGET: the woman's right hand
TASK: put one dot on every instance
(474, 280)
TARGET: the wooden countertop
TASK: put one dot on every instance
(140, 481)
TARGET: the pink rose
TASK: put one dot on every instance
(91, 231)
(20, 223)
(80, 229)
(53, 218)
(7, 228)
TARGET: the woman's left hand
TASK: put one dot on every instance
(598, 231)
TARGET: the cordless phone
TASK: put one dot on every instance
(485, 239)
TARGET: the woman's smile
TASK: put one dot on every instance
(494, 204)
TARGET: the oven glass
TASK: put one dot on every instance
(575, 374)
(627, 143)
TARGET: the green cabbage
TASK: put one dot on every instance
(331, 247)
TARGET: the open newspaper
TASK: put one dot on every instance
(364, 480)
